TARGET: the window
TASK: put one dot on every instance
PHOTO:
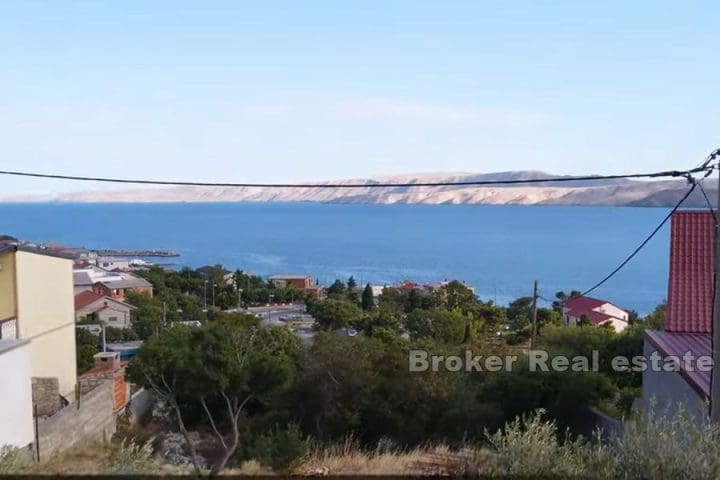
(112, 319)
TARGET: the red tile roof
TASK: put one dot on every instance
(83, 299)
(583, 304)
(690, 286)
(579, 306)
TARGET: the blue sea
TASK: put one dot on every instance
(499, 250)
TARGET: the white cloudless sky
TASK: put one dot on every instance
(315, 90)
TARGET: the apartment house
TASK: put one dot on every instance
(304, 283)
(36, 306)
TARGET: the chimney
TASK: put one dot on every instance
(108, 361)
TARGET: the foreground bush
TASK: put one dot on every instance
(278, 448)
(659, 447)
(132, 458)
(14, 460)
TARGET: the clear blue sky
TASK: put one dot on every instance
(309, 90)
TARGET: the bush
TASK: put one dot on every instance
(658, 447)
(85, 357)
(663, 446)
(14, 460)
(279, 448)
(117, 334)
(132, 458)
(529, 446)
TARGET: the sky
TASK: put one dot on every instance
(318, 90)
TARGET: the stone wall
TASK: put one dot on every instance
(89, 420)
(46, 395)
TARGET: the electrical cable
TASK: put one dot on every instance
(369, 184)
(693, 185)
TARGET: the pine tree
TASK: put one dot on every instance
(367, 298)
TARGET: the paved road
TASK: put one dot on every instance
(280, 314)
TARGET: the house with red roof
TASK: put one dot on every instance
(596, 311)
(110, 311)
(688, 320)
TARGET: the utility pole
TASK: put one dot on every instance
(715, 375)
(213, 294)
(534, 316)
(164, 322)
(205, 294)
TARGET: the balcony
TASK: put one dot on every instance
(8, 328)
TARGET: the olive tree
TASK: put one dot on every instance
(221, 367)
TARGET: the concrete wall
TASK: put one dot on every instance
(666, 391)
(7, 285)
(46, 395)
(16, 418)
(140, 405)
(93, 421)
(46, 316)
(115, 318)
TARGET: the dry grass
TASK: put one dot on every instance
(86, 460)
(102, 457)
(348, 458)
(250, 468)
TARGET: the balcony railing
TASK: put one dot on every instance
(8, 328)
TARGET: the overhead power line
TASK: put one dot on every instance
(369, 184)
(693, 185)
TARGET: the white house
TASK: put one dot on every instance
(110, 311)
(598, 312)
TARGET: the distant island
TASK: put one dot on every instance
(621, 192)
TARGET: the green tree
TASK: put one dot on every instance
(443, 326)
(367, 298)
(85, 349)
(336, 289)
(351, 283)
(518, 312)
(222, 367)
(656, 319)
(147, 317)
(332, 314)
(362, 386)
(117, 334)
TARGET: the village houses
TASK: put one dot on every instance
(110, 284)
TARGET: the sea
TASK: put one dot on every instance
(498, 250)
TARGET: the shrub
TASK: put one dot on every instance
(279, 448)
(14, 460)
(657, 446)
(664, 446)
(132, 458)
(528, 446)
